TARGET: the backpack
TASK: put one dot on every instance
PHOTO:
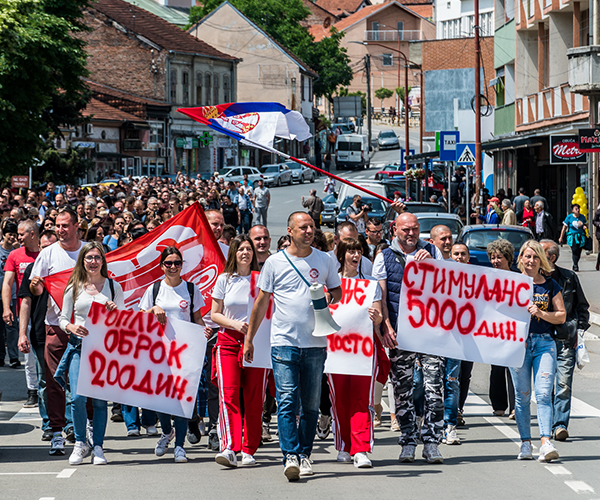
(190, 287)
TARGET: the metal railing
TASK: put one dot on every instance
(392, 35)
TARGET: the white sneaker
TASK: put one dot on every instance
(80, 451)
(305, 467)
(163, 443)
(525, 453)
(291, 469)
(133, 432)
(151, 430)
(248, 459)
(361, 461)
(98, 456)
(57, 445)
(226, 458)
(344, 457)
(180, 457)
(451, 437)
(323, 426)
(548, 452)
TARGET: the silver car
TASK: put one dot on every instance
(276, 174)
(387, 139)
(300, 173)
(236, 174)
(329, 215)
(428, 220)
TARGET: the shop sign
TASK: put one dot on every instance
(186, 142)
(19, 181)
(589, 140)
(565, 149)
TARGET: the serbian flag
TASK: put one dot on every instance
(253, 123)
(136, 265)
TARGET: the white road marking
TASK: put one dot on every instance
(47, 498)
(558, 470)
(29, 473)
(66, 473)
(579, 408)
(26, 414)
(579, 486)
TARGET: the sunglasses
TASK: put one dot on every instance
(176, 263)
(92, 258)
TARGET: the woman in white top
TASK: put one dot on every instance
(176, 299)
(352, 395)
(230, 311)
(89, 283)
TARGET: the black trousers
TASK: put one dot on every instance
(466, 367)
(502, 391)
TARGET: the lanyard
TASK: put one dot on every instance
(296, 269)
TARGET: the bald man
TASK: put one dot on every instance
(388, 268)
(441, 237)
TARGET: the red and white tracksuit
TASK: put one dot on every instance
(231, 379)
(352, 405)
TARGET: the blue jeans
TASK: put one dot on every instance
(565, 364)
(298, 373)
(79, 411)
(540, 360)
(180, 424)
(131, 416)
(245, 216)
(451, 391)
(40, 366)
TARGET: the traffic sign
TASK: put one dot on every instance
(448, 142)
(403, 154)
(465, 153)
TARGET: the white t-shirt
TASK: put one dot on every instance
(294, 320)
(85, 301)
(366, 266)
(234, 291)
(54, 259)
(174, 301)
(379, 272)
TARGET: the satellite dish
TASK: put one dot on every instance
(327, 23)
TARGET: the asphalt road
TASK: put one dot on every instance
(484, 466)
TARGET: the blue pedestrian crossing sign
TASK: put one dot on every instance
(465, 153)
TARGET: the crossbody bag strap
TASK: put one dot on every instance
(296, 269)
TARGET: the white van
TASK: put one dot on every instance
(352, 151)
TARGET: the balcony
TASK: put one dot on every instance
(584, 69)
(392, 35)
(550, 104)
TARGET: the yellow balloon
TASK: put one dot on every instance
(579, 190)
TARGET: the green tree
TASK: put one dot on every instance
(382, 94)
(400, 92)
(61, 168)
(41, 65)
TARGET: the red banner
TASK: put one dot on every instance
(136, 265)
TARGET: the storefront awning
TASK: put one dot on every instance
(513, 143)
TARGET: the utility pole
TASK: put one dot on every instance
(368, 70)
(478, 184)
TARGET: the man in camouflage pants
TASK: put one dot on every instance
(388, 268)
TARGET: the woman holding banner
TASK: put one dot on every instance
(547, 309)
(176, 299)
(352, 395)
(89, 283)
(230, 311)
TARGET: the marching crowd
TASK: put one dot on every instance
(45, 232)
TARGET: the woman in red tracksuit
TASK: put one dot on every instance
(352, 395)
(230, 311)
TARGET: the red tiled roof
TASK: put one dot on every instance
(154, 28)
(103, 89)
(101, 111)
(318, 9)
(338, 7)
(361, 14)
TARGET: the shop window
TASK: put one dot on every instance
(226, 96)
(199, 88)
(215, 89)
(185, 84)
(208, 92)
(173, 85)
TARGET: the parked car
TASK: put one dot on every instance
(330, 213)
(344, 128)
(428, 220)
(236, 174)
(390, 171)
(415, 207)
(478, 237)
(300, 173)
(346, 122)
(351, 151)
(347, 190)
(276, 174)
(378, 207)
(387, 139)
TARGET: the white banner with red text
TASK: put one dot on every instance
(128, 357)
(464, 312)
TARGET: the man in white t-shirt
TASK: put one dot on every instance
(298, 356)
(57, 257)
(388, 268)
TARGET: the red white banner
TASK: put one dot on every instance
(262, 339)
(128, 357)
(136, 265)
(351, 351)
(465, 312)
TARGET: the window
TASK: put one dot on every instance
(185, 83)
(215, 89)
(499, 88)
(302, 95)
(387, 59)
(375, 27)
(226, 96)
(173, 85)
(156, 133)
(400, 29)
(207, 84)
(199, 88)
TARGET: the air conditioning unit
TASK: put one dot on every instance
(88, 129)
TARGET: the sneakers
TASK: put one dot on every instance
(305, 467)
(361, 461)
(80, 451)
(32, 399)
(547, 452)
(202, 428)
(98, 457)
(70, 435)
(213, 440)
(57, 445)
(163, 443)
(324, 426)
(450, 436)
(512, 415)
(90, 434)
(193, 433)
(151, 430)
(266, 433)
(525, 453)
(561, 434)
(460, 420)
(408, 453)
(226, 458)
(291, 469)
(47, 435)
(133, 432)
(377, 416)
(248, 459)
(180, 457)
(344, 457)
(431, 454)
(395, 427)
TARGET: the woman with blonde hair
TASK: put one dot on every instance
(547, 309)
